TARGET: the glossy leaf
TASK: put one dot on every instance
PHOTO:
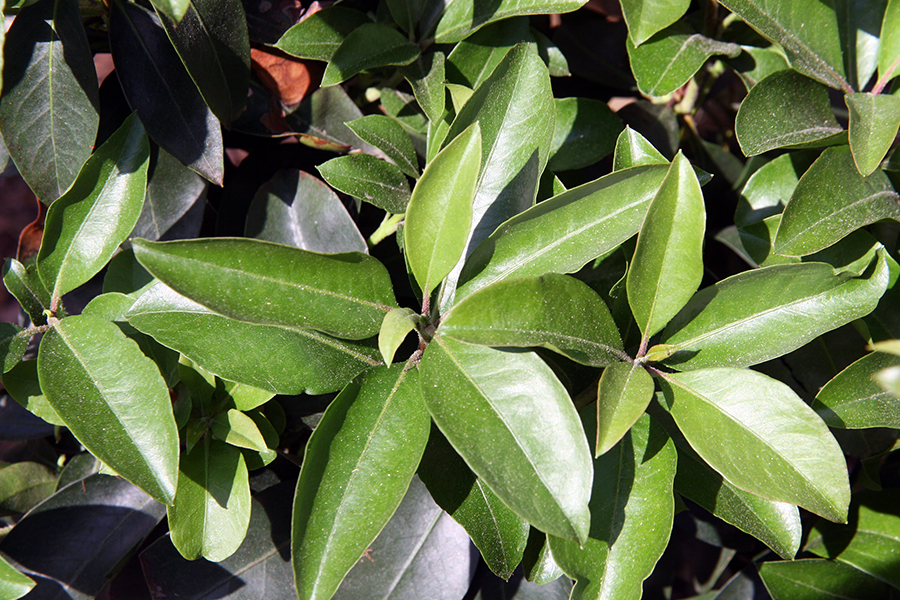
(567, 231)
(345, 295)
(759, 315)
(13, 584)
(49, 111)
(23, 485)
(778, 449)
(889, 43)
(25, 285)
(174, 203)
(770, 188)
(634, 150)
(388, 135)
(538, 565)
(174, 9)
(668, 261)
(646, 18)
(786, 109)
(815, 579)
(211, 512)
(462, 18)
(297, 209)
(830, 201)
(439, 216)
(874, 121)
(281, 360)
(854, 400)
(482, 400)
(397, 324)
(807, 30)
(624, 392)
(21, 382)
(473, 59)
(538, 311)
(158, 87)
(666, 61)
(362, 176)
(124, 418)
(85, 227)
(246, 397)
(755, 64)
(320, 34)
(631, 517)
(586, 131)
(362, 455)
(368, 46)
(237, 429)
(427, 77)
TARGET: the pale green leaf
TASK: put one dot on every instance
(397, 324)
(237, 429)
(645, 17)
(623, 394)
(874, 121)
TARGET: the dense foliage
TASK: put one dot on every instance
(475, 326)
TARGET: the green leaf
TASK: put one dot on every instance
(830, 201)
(538, 564)
(13, 343)
(123, 417)
(345, 295)
(388, 135)
(484, 400)
(23, 485)
(22, 384)
(396, 326)
(647, 18)
(474, 59)
(815, 579)
(786, 109)
(174, 9)
(368, 46)
(631, 517)
(624, 392)
(175, 199)
(362, 176)
(666, 61)
(585, 133)
(246, 397)
(755, 64)
(853, 399)
(566, 232)
(806, 29)
(211, 512)
(439, 216)
(427, 76)
(49, 111)
(634, 150)
(84, 228)
(889, 43)
(297, 209)
(212, 41)
(13, 584)
(759, 315)
(538, 311)
(874, 121)
(281, 360)
(770, 188)
(778, 449)
(467, 16)
(237, 429)
(363, 453)
(668, 261)
(859, 22)
(25, 285)
(320, 34)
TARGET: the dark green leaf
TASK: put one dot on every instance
(427, 76)
(634, 150)
(319, 35)
(123, 417)
(13, 584)
(362, 176)
(467, 16)
(388, 135)
(25, 285)
(22, 384)
(624, 392)
(474, 59)
(173, 206)
(345, 295)
(859, 22)
(124, 274)
(368, 46)
(647, 18)
(586, 131)
(396, 326)
(13, 342)
(854, 400)
(483, 401)
(363, 453)
(874, 121)
(815, 579)
(23, 485)
(85, 227)
(174, 9)
(538, 564)
(49, 110)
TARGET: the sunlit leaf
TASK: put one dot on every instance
(853, 399)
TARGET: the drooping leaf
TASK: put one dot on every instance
(281, 360)
(362, 176)
(174, 203)
(397, 324)
(297, 209)
(816, 579)
(668, 261)
(320, 34)
(631, 516)
(427, 76)
(538, 311)
(49, 111)
(778, 449)
(363, 453)
(830, 201)
(874, 121)
(624, 392)
(388, 135)
(158, 87)
(474, 58)
(483, 401)
(586, 132)
(467, 16)
(85, 227)
(13, 584)
(368, 46)
(123, 417)
(345, 295)
(759, 315)
(647, 18)
(439, 216)
(786, 109)
(854, 400)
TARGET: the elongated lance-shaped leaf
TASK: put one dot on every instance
(874, 121)
(853, 399)
(439, 215)
(632, 506)
(889, 42)
(759, 315)
(760, 436)
(371, 179)
(623, 394)
(85, 227)
(806, 29)
(388, 135)
(668, 261)
(320, 34)
(473, 60)
(483, 400)
(586, 131)
(49, 111)
(537, 311)
(562, 234)
(25, 285)
(345, 295)
(427, 77)
(122, 416)
(830, 201)
(462, 18)
(646, 18)
(368, 46)
(358, 465)
(859, 22)
(212, 504)
(819, 579)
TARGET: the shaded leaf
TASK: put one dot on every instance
(624, 392)
(853, 399)
(362, 176)
(815, 579)
(770, 188)
(586, 131)
(465, 17)
(538, 564)
(388, 135)
(874, 121)
(13, 343)
(237, 429)
(397, 324)
(174, 9)
(368, 46)
(889, 46)
(859, 22)
(23, 485)
(25, 285)
(427, 76)
(174, 203)
(646, 18)
(22, 384)
(755, 64)
(320, 34)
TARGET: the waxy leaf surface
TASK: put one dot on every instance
(369, 45)
(25, 285)
(586, 131)
(816, 579)
(397, 324)
(174, 9)
(388, 135)
(874, 121)
(889, 42)
(466, 16)
(427, 76)
(644, 17)
(345, 295)
(320, 34)
(13, 584)
(473, 60)
(624, 392)
(634, 150)
(853, 399)
(362, 176)
(175, 200)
